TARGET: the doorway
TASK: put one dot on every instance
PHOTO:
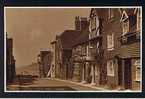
(127, 74)
(124, 73)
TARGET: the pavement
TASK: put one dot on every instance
(86, 85)
(53, 84)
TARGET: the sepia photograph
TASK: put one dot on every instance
(73, 49)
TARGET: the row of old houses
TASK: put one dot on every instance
(115, 47)
(62, 48)
(103, 50)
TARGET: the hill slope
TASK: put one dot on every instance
(32, 69)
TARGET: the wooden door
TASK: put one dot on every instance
(127, 74)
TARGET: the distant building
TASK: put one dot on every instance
(54, 70)
(44, 61)
(10, 61)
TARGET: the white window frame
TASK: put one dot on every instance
(93, 23)
(97, 26)
(90, 25)
(110, 68)
(97, 22)
(125, 27)
(110, 39)
(125, 21)
(137, 67)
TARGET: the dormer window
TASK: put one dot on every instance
(110, 13)
(124, 16)
(125, 27)
(125, 23)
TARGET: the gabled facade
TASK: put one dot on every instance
(95, 47)
(121, 45)
(114, 44)
(129, 51)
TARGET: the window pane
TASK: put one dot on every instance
(110, 42)
(138, 74)
(137, 66)
(137, 63)
(125, 27)
(110, 68)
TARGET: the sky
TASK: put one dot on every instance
(32, 29)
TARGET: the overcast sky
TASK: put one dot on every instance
(32, 29)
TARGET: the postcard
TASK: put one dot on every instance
(73, 49)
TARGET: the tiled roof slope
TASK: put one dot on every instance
(132, 50)
(84, 37)
(71, 38)
(68, 38)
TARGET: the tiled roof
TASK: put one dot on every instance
(68, 38)
(84, 37)
(71, 38)
(127, 51)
